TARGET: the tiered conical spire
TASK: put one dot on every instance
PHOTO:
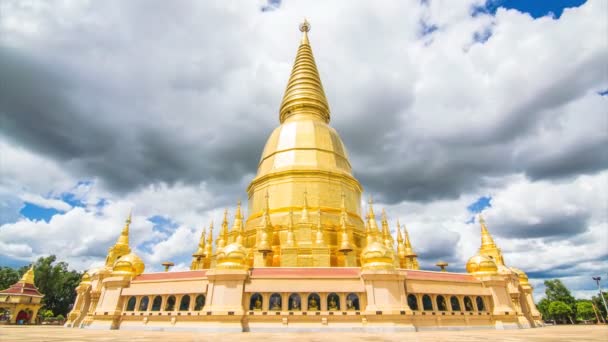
(400, 244)
(320, 241)
(264, 243)
(238, 217)
(373, 225)
(345, 245)
(200, 252)
(486, 239)
(304, 93)
(222, 237)
(123, 239)
(305, 217)
(209, 244)
(387, 238)
(28, 277)
(291, 240)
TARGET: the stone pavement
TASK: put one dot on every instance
(551, 333)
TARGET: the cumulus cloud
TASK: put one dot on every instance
(165, 111)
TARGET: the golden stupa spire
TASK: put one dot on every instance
(409, 251)
(386, 232)
(372, 218)
(238, 217)
(123, 239)
(209, 244)
(222, 237)
(305, 217)
(486, 239)
(304, 93)
(264, 243)
(320, 241)
(28, 276)
(291, 242)
(200, 252)
(400, 244)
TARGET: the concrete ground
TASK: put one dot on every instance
(551, 333)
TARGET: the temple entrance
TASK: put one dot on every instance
(22, 317)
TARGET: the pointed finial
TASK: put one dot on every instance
(28, 277)
(290, 235)
(123, 239)
(399, 237)
(486, 238)
(304, 28)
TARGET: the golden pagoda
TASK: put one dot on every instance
(305, 258)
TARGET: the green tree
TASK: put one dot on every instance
(556, 291)
(599, 304)
(8, 276)
(584, 310)
(560, 310)
(57, 283)
(543, 307)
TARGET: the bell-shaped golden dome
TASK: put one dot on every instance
(233, 256)
(123, 267)
(480, 264)
(136, 262)
(376, 256)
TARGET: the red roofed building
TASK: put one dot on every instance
(20, 302)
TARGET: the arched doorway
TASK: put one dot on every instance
(22, 317)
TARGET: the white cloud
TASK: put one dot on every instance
(49, 203)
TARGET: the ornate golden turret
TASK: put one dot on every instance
(411, 258)
(121, 247)
(386, 232)
(238, 217)
(264, 244)
(209, 244)
(400, 244)
(320, 241)
(345, 245)
(28, 276)
(291, 242)
(372, 218)
(222, 237)
(488, 247)
(304, 92)
(200, 254)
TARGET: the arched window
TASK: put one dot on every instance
(131, 304)
(294, 302)
(441, 305)
(256, 302)
(156, 303)
(143, 304)
(352, 302)
(412, 302)
(455, 303)
(275, 302)
(480, 306)
(314, 302)
(468, 304)
(199, 303)
(184, 304)
(427, 304)
(170, 306)
(333, 302)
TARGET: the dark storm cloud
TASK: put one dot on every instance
(583, 267)
(552, 226)
(178, 95)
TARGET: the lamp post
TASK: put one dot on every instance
(599, 288)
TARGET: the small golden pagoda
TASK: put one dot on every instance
(307, 257)
(22, 300)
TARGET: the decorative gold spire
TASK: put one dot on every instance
(291, 242)
(386, 232)
(123, 239)
(410, 261)
(238, 217)
(28, 277)
(372, 218)
(409, 251)
(304, 93)
(200, 252)
(488, 246)
(320, 241)
(305, 217)
(400, 244)
(264, 243)
(222, 237)
(345, 245)
(209, 244)
(486, 239)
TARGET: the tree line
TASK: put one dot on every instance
(561, 307)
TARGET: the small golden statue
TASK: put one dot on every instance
(312, 304)
(333, 305)
(295, 304)
(258, 304)
(276, 304)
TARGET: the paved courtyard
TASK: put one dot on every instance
(552, 333)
